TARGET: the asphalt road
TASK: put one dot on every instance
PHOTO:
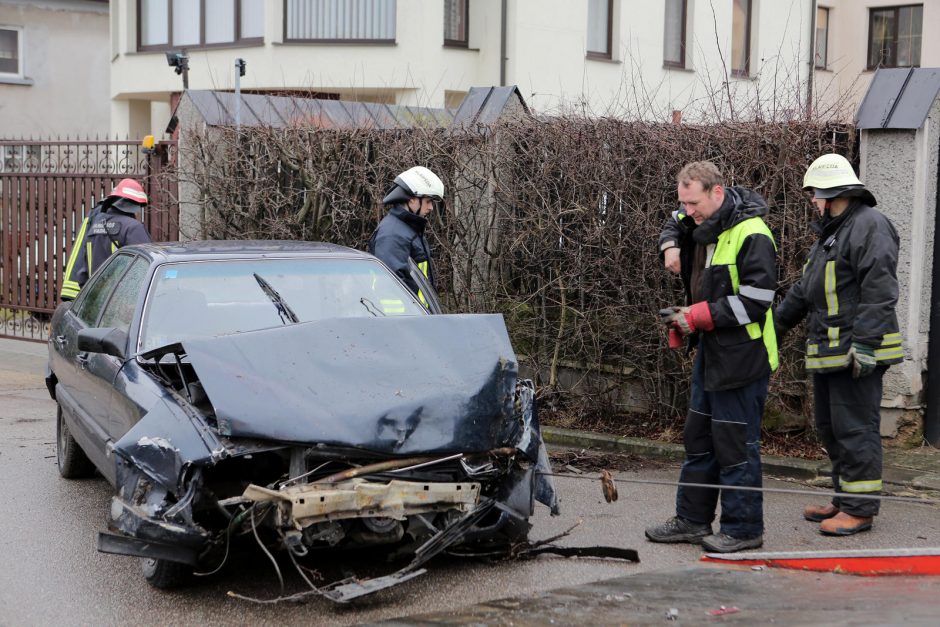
(50, 572)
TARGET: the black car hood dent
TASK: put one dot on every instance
(397, 385)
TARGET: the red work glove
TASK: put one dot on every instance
(689, 320)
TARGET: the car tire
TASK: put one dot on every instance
(165, 575)
(70, 458)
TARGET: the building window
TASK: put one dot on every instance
(894, 36)
(164, 24)
(456, 16)
(822, 38)
(741, 38)
(11, 52)
(674, 40)
(340, 21)
(600, 28)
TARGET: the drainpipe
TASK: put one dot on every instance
(932, 413)
(814, 4)
(502, 44)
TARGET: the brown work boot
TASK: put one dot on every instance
(819, 513)
(843, 524)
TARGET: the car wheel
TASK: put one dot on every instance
(165, 575)
(71, 459)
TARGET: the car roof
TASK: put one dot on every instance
(241, 249)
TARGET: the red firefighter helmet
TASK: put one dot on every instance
(131, 190)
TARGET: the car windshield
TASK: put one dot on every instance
(206, 298)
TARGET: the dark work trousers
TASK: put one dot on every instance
(848, 419)
(722, 447)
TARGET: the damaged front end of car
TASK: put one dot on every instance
(410, 433)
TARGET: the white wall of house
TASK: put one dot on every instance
(61, 86)
(546, 55)
(846, 76)
(549, 64)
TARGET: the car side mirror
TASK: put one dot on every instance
(107, 340)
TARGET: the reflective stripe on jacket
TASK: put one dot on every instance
(849, 290)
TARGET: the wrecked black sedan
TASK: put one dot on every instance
(293, 393)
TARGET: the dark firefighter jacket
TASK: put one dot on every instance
(849, 289)
(400, 236)
(104, 230)
(738, 282)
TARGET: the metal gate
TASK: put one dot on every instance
(46, 190)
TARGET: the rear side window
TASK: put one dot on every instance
(95, 293)
(120, 309)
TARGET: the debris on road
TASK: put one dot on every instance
(721, 611)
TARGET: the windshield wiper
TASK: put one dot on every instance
(370, 307)
(283, 309)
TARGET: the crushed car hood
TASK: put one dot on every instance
(397, 385)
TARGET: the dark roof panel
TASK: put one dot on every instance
(486, 105)
(483, 105)
(218, 109)
(899, 98)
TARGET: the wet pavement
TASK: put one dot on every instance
(709, 594)
(50, 572)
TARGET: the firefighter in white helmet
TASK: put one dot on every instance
(848, 292)
(415, 194)
(112, 224)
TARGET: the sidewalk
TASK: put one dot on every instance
(903, 469)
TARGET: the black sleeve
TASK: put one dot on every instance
(793, 309)
(673, 234)
(875, 259)
(757, 280)
(394, 252)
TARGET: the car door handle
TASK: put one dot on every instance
(60, 341)
(82, 359)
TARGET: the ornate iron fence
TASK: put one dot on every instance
(46, 190)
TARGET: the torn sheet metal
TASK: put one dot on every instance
(163, 442)
(357, 498)
(398, 385)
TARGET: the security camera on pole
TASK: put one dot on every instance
(239, 72)
(179, 61)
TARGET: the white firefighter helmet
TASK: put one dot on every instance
(416, 182)
(830, 176)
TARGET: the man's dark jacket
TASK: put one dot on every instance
(849, 289)
(400, 236)
(732, 358)
(105, 230)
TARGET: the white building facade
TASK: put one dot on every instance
(855, 37)
(54, 63)
(651, 57)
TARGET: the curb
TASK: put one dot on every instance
(776, 465)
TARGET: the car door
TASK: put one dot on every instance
(126, 378)
(434, 303)
(84, 389)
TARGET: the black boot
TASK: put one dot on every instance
(678, 529)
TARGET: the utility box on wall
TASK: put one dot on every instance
(899, 120)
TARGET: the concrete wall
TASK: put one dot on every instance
(546, 57)
(65, 57)
(900, 168)
(843, 84)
